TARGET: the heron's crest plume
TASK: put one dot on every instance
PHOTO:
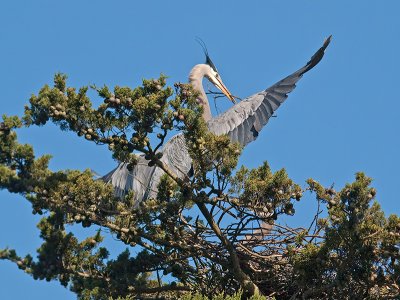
(208, 59)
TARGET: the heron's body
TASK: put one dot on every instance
(242, 123)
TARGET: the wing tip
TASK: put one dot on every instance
(327, 42)
(316, 58)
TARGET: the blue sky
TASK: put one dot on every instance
(342, 117)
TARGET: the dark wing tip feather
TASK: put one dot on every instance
(316, 58)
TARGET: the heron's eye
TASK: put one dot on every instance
(216, 75)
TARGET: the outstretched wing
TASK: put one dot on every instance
(245, 120)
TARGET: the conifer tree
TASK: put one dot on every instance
(216, 232)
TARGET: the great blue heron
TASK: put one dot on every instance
(242, 123)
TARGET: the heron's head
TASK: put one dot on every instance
(213, 76)
(212, 73)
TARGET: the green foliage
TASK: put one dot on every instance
(211, 235)
(236, 296)
(358, 256)
(197, 296)
(269, 193)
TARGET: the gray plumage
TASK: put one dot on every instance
(144, 180)
(242, 123)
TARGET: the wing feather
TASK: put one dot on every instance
(265, 113)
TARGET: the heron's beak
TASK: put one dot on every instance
(219, 84)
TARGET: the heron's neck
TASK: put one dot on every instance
(196, 80)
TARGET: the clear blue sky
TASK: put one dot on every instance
(342, 118)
